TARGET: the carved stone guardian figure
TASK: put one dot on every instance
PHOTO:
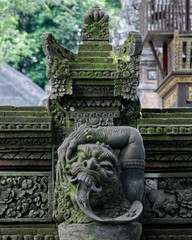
(100, 179)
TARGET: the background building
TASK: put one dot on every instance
(18, 90)
(166, 27)
(166, 61)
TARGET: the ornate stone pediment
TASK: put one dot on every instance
(96, 79)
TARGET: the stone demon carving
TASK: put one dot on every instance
(100, 171)
(157, 201)
(168, 197)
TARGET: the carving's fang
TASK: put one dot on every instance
(73, 180)
(96, 189)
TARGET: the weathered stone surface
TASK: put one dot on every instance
(130, 231)
(28, 231)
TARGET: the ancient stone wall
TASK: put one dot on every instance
(167, 135)
(98, 88)
(27, 157)
(26, 192)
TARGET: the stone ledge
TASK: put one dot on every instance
(131, 231)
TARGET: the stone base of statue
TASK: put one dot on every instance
(131, 231)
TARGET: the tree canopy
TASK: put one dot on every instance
(22, 23)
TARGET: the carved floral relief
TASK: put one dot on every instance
(24, 197)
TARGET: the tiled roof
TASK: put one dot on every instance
(18, 90)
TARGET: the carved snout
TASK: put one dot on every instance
(91, 164)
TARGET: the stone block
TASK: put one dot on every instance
(49, 237)
(39, 237)
(130, 231)
(18, 237)
(28, 237)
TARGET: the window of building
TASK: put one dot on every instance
(152, 74)
(184, 55)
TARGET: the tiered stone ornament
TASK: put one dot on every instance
(100, 168)
(96, 86)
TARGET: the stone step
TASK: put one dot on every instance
(95, 46)
(26, 135)
(24, 113)
(164, 121)
(18, 119)
(94, 54)
(167, 110)
(92, 66)
(23, 108)
(177, 115)
(91, 82)
(25, 126)
(94, 60)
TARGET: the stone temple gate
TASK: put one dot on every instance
(95, 88)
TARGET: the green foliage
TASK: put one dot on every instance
(15, 43)
(23, 22)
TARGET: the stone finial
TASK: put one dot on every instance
(95, 25)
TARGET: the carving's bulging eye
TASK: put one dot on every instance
(82, 155)
(107, 166)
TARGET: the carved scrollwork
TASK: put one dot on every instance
(131, 110)
(74, 115)
(25, 126)
(108, 74)
(169, 157)
(164, 129)
(57, 66)
(25, 141)
(95, 24)
(59, 117)
(29, 236)
(127, 79)
(94, 103)
(24, 197)
(91, 89)
(127, 75)
(97, 119)
(60, 87)
(177, 144)
(25, 155)
(95, 122)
